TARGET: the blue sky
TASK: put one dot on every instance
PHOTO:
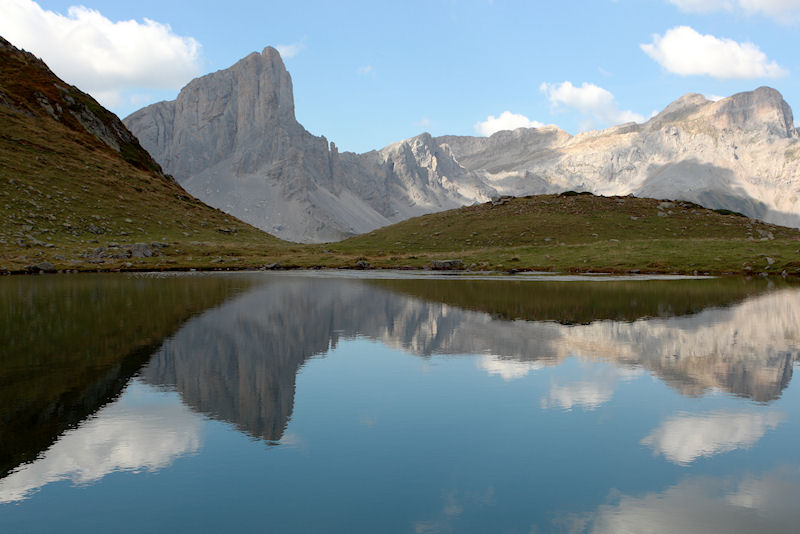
(370, 73)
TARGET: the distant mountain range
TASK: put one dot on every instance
(231, 138)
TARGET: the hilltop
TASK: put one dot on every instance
(77, 191)
(584, 232)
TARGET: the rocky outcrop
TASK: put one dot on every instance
(29, 88)
(232, 139)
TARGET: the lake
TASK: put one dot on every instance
(357, 402)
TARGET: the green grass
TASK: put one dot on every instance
(584, 233)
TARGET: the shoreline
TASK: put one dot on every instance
(520, 273)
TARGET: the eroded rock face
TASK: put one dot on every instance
(231, 139)
(741, 153)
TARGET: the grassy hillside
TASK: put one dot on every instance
(583, 233)
(78, 191)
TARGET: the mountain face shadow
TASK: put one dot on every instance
(710, 186)
(70, 344)
(238, 362)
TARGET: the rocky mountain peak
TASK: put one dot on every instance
(232, 113)
(761, 109)
(681, 108)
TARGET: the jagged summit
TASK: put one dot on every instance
(232, 139)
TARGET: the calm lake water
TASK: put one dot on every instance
(331, 403)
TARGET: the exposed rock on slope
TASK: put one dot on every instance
(29, 89)
(232, 139)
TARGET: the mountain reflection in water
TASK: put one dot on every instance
(238, 362)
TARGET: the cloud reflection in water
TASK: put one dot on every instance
(145, 430)
(684, 438)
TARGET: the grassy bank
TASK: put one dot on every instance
(583, 233)
(545, 233)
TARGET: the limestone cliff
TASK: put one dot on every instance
(231, 138)
(740, 153)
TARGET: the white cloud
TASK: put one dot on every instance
(366, 69)
(506, 121)
(98, 55)
(702, 6)
(595, 103)
(684, 51)
(781, 10)
(684, 438)
(290, 50)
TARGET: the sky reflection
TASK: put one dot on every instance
(145, 430)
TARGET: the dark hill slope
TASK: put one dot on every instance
(74, 180)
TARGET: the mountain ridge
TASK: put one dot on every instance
(740, 153)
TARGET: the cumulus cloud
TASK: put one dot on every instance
(780, 10)
(98, 55)
(596, 104)
(684, 438)
(366, 69)
(290, 50)
(506, 121)
(684, 51)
